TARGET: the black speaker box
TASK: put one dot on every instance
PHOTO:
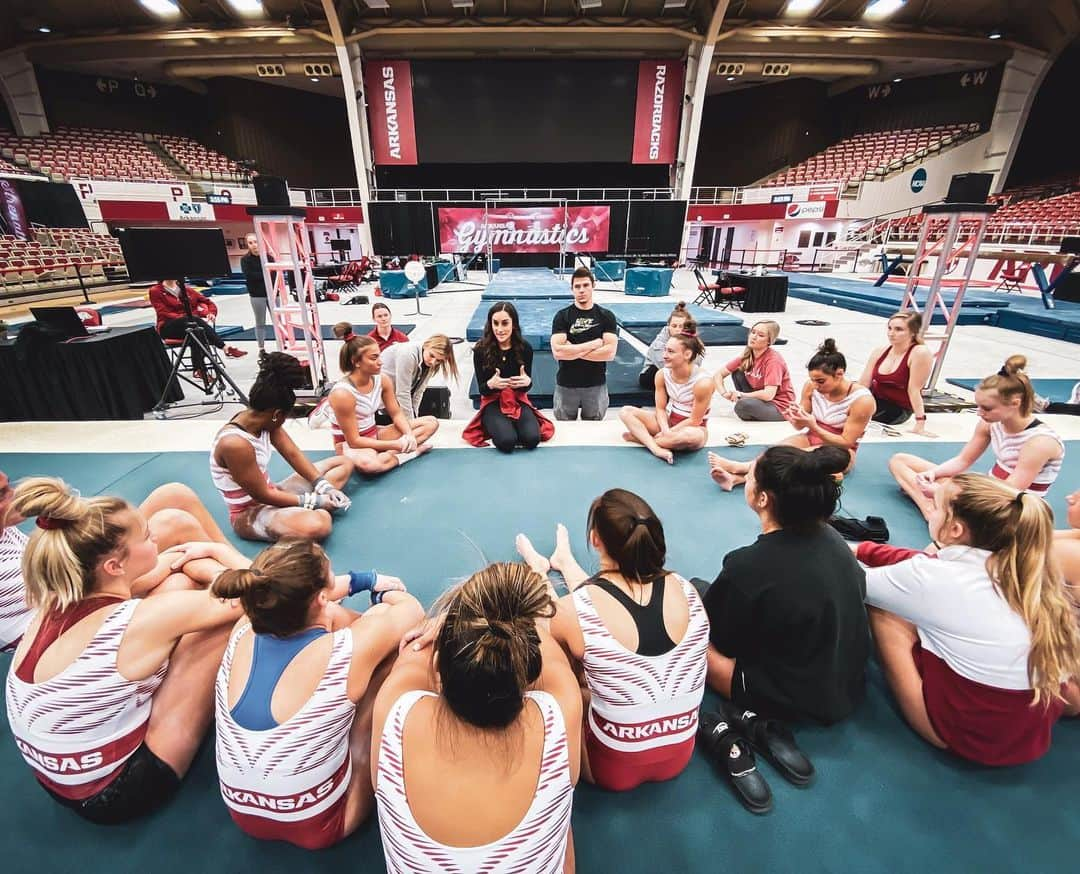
(1070, 246)
(969, 188)
(402, 228)
(271, 191)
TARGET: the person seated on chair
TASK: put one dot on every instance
(259, 509)
(978, 643)
(638, 632)
(763, 389)
(584, 337)
(502, 361)
(343, 331)
(896, 373)
(833, 411)
(476, 738)
(110, 693)
(679, 322)
(411, 366)
(789, 632)
(295, 692)
(384, 333)
(174, 317)
(364, 390)
(174, 514)
(1027, 452)
(683, 391)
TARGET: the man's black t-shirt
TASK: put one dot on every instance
(789, 609)
(581, 326)
(253, 275)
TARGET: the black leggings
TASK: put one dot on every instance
(889, 413)
(175, 329)
(647, 377)
(506, 433)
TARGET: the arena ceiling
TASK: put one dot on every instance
(833, 43)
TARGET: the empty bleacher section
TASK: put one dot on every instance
(199, 161)
(86, 152)
(57, 258)
(870, 156)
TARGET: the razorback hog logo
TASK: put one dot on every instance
(656, 127)
(299, 801)
(393, 132)
(59, 764)
(645, 730)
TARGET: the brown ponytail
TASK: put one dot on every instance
(73, 535)
(631, 533)
(352, 350)
(692, 344)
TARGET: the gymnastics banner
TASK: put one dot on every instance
(524, 229)
(390, 111)
(11, 210)
(656, 119)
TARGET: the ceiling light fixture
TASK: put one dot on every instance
(462, 4)
(590, 4)
(994, 35)
(731, 78)
(877, 10)
(377, 4)
(247, 7)
(801, 7)
(314, 78)
(898, 79)
(161, 8)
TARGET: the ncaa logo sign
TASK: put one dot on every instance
(918, 180)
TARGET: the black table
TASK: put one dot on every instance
(764, 294)
(115, 375)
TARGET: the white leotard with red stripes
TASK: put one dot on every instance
(236, 498)
(833, 415)
(14, 614)
(1007, 448)
(77, 729)
(643, 702)
(681, 394)
(296, 772)
(367, 405)
(537, 844)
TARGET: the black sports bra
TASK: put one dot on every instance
(653, 639)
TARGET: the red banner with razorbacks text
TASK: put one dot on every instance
(390, 111)
(524, 229)
(656, 117)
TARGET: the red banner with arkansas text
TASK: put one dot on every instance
(524, 229)
(656, 118)
(390, 111)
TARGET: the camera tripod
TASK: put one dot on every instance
(216, 384)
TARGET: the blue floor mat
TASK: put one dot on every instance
(882, 801)
(892, 293)
(973, 316)
(1055, 389)
(710, 335)
(647, 315)
(526, 283)
(622, 379)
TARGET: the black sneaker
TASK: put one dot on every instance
(734, 759)
(871, 528)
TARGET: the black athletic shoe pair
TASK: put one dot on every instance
(729, 739)
(871, 528)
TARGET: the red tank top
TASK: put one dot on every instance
(53, 624)
(892, 387)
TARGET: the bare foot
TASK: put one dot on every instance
(532, 558)
(722, 478)
(562, 555)
(628, 437)
(664, 454)
(424, 448)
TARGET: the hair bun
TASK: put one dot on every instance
(828, 346)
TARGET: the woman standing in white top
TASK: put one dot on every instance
(355, 400)
(477, 740)
(260, 509)
(1027, 452)
(683, 392)
(833, 411)
(979, 643)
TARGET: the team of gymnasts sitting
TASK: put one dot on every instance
(466, 729)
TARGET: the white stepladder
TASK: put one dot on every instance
(286, 262)
(959, 239)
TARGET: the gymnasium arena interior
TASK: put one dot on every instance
(818, 163)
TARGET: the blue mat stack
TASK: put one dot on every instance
(527, 283)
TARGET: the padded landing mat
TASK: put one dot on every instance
(622, 379)
(882, 801)
(534, 315)
(972, 316)
(527, 283)
(890, 293)
(327, 331)
(1059, 390)
(711, 335)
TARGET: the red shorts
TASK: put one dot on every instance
(982, 723)
(676, 418)
(618, 771)
(815, 440)
(315, 833)
(371, 433)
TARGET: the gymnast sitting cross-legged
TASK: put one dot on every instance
(679, 322)
(683, 393)
(295, 693)
(259, 509)
(110, 693)
(639, 632)
(833, 411)
(355, 400)
(1027, 452)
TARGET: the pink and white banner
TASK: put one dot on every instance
(524, 229)
(12, 208)
(656, 118)
(390, 111)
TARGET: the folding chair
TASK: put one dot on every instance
(707, 291)
(1011, 279)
